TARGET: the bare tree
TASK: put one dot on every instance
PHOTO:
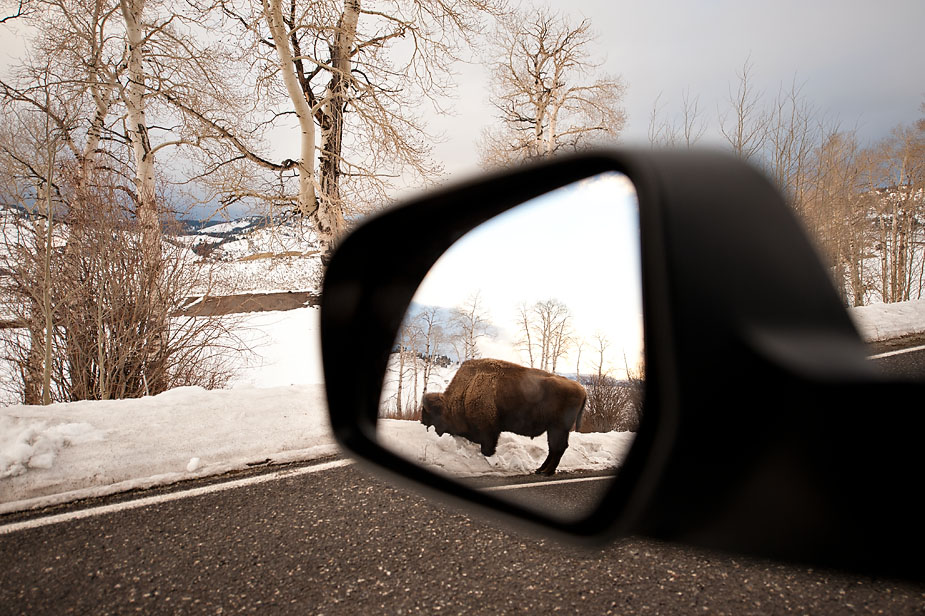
(861, 205)
(793, 130)
(471, 322)
(71, 76)
(612, 404)
(835, 210)
(136, 125)
(28, 150)
(86, 81)
(433, 332)
(408, 340)
(745, 127)
(545, 89)
(127, 73)
(579, 345)
(352, 76)
(665, 133)
(897, 178)
(417, 351)
(546, 332)
(525, 327)
(115, 332)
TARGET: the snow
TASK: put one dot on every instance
(226, 227)
(275, 239)
(26, 443)
(267, 259)
(885, 321)
(265, 275)
(516, 454)
(64, 452)
(286, 347)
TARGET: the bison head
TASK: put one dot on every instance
(432, 408)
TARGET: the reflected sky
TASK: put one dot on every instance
(578, 245)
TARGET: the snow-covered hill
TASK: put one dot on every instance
(253, 254)
(256, 255)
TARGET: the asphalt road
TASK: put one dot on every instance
(340, 541)
(903, 357)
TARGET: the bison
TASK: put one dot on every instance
(490, 396)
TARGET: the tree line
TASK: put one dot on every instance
(194, 96)
(864, 204)
(121, 110)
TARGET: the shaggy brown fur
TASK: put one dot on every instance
(490, 396)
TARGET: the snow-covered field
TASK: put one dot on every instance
(274, 411)
(265, 275)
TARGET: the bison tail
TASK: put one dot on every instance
(580, 413)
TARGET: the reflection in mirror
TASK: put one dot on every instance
(520, 361)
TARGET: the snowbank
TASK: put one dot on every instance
(275, 410)
(516, 454)
(63, 452)
(885, 321)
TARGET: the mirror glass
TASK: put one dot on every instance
(525, 338)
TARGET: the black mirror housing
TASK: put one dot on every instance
(765, 429)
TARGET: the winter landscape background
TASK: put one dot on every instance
(273, 410)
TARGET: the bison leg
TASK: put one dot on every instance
(489, 443)
(558, 442)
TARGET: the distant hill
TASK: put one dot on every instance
(222, 228)
(189, 226)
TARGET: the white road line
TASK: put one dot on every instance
(163, 498)
(899, 352)
(534, 484)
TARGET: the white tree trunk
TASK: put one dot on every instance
(308, 201)
(147, 211)
(553, 126)
(101, 90)
(46, 277)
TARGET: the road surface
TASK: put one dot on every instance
(341, 542)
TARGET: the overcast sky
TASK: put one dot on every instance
(860, 62)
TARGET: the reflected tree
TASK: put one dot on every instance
(471, 322)
(545, 332)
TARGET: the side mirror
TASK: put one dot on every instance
(762, 427)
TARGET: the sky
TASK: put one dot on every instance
(578, 245)
(860, 63)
